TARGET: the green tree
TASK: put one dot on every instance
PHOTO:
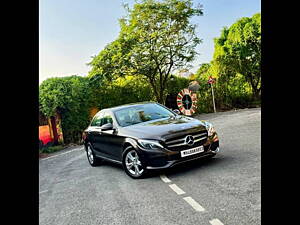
(156, 38)
(238, 51)
(71, 98)
(203, 70)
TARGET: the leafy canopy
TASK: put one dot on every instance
(238, 51)
(156, 38)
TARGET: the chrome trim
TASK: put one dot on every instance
(198, 135)
(181, 139)
(199, 139)
(177, 144)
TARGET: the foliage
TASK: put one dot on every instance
(176, 84)
(51, 149)
(231, 91)
(156, 38)
(236, 67)
(74, 96)
(238, 51)
(122, 90)
(69, 96)
(203, 71)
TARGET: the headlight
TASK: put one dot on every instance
(149, 144)
(211, 130)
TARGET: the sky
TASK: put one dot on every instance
(72, 31)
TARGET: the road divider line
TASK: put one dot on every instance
(165, 179)
(215, 222)
(175, 188)
(77, 149)
(194, 204)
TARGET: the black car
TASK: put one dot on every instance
(147, 136)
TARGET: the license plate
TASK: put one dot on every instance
(192, 151)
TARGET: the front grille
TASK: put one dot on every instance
(178, 143)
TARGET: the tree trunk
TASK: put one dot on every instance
(256, 94)
(158, 92)
(161, 99)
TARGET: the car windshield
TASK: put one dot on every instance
(141, 113)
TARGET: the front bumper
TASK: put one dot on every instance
(167, 159)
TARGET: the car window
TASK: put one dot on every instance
(142, 113)
(97, 120)
(101, 119)
(106, 119)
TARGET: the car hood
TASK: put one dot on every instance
(163, 129)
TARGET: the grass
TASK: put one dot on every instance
(52, 149)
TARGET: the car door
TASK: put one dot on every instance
(94, 133)
(110, 144)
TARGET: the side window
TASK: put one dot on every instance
(97, 120)
(106, 119)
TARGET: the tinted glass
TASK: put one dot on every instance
(97, 120)
(101, 119)
(106, 119)
(141, 113)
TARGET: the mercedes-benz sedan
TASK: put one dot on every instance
(147, 136)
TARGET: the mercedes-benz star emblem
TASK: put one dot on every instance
(189, 140)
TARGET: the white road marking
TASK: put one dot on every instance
(194, 204)
(77, 149)
(216, 222)
(165, 179)
(41, 192)
(175, 188)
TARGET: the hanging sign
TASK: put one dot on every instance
(187, 102)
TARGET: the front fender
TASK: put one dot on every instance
(129, 142)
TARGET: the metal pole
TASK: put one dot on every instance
(212, 91)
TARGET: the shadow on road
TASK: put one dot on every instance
(192, 166)
(188, 167)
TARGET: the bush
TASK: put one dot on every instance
(71, 98)
(51, 149)
(175, 85)
(121, 91)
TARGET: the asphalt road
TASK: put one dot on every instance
(222, 190)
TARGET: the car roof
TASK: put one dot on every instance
(116, 108)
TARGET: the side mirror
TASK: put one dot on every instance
(107, 126)
(176, 111)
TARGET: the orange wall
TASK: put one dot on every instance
(44, 134)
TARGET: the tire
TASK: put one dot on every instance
(92, 159)
(131, 157)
